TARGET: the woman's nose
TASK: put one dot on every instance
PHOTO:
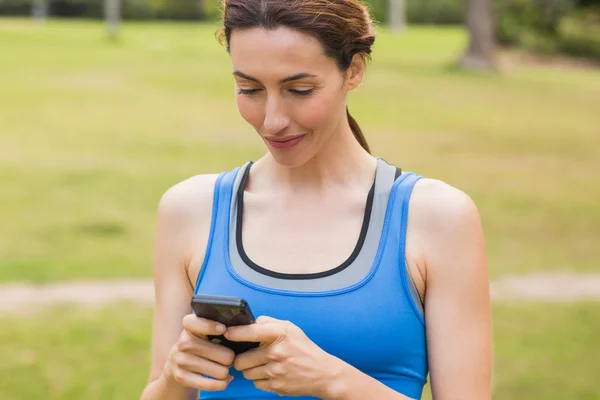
(276, 118)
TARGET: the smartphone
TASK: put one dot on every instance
(230, 311)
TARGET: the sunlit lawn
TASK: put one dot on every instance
(93, 132)
(541, 352)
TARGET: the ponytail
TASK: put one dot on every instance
(358, 132)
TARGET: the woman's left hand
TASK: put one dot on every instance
(286, 362)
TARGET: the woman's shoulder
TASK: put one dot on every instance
(434, 199)
(189, 199)
(444, 230)
(183, 223)
(441, 213)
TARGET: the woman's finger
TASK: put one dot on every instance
(189, 343)
(265, 385)
(202, 327)
(211, 351)
(251, 359)
(263, 319)
(265, 332)
(197, 381)
(256, 373)
(202, 366)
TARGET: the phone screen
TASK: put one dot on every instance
(229, 316)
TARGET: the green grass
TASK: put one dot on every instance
(547, 351)
(71, 353)
(541, 352)
(92, 132)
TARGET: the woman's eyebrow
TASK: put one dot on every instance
(294, 77)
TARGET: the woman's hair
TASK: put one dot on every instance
(344, 28)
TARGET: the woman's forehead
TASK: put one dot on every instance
(281, 50)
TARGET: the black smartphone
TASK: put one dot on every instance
(230, 311)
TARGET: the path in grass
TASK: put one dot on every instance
(561, 287)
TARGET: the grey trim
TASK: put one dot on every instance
(355, 272)
(413, 290)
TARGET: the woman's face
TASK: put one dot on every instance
(288, 90)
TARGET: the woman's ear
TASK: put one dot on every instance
(355, 72)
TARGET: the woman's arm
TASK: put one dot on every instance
(448, 229)
(183, 217)
(446, 237)
(352, 384)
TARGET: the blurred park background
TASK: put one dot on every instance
(97, 120)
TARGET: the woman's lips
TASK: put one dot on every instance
(285, 143)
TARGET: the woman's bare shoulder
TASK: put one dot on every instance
(444, 221)
(183, 225)
(440, 219)
(191, 198)
(439, 205)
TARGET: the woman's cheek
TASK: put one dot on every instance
(314, 114)
(249, 111)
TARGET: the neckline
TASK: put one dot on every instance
(316, 275)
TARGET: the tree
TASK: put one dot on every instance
(397, 14)
(112, 14)
(39, 10)
(480, 23)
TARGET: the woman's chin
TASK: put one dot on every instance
(290, 159)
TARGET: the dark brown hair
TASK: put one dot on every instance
(344, 28)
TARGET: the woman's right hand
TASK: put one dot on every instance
(194, 357)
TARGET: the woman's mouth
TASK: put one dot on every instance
(284, 142)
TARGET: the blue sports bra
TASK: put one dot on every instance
(365, 311)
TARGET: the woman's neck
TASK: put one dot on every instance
(342, 162)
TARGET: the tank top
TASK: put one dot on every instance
(365, 311)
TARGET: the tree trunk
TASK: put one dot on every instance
(397, 14)
(480, 23)
(112, 13)
(202, 8)
(39, 10)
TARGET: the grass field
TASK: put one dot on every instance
(96, 355)
(92, 132)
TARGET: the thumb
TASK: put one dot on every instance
(263, 319)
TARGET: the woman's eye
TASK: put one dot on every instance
(248, 92)
(302, 92)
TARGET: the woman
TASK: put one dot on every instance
(346, 257)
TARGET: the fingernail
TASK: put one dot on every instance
(220, 328)
(230, 378)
